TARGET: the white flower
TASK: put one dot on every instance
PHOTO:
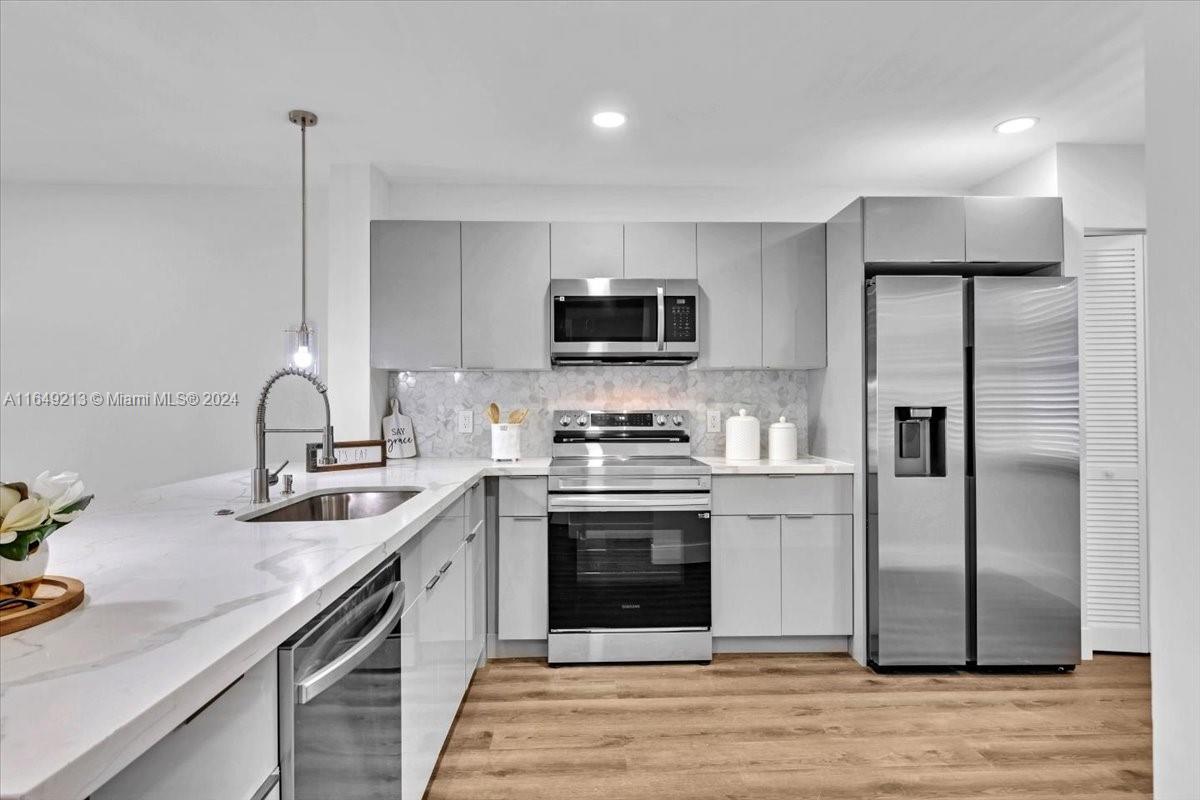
(24, 516)
(9, 497)
(59, 491)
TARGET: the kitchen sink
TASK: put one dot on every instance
(336, 504)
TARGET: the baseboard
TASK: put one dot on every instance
(781, 644)
(515, 648)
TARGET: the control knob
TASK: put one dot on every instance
(581, 420)
(660, 419)
(677, 420)
(564, 420)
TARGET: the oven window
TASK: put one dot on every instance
(629, 569)
(605, 319)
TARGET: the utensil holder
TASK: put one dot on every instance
(506, 442)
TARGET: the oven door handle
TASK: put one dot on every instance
(312, 686)
(655, 501)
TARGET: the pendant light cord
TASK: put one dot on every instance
(303, 225)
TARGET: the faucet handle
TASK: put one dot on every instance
(273, 477)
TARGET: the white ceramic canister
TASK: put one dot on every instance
(506, 442)
(781, 440)
(741, 437)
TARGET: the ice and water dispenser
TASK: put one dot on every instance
(920, 439)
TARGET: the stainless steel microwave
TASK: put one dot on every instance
(624, 321)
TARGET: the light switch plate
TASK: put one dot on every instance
(466, 421)
(714, 421)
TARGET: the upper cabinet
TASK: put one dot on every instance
(1014, 229)
(415, 295)
(793, 295)
(505, 280)
(586, 250)
(729, 269)
(962, 230)
(918, 230)
(660, 250)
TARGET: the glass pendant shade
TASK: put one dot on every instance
(300, 349)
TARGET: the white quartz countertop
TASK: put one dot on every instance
(807, 465)
(179, 604)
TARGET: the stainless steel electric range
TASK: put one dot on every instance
(630, 564)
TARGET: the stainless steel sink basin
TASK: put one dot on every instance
(336, 504)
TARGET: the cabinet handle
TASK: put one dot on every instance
(781, 475)
(529, 519)
(799, 516)
(433, 582)
(760, 516)
(471, 537)
(445, 567)
(523, 477)
(265, 788)
(443, 368)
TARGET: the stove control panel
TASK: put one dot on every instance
(621, 420)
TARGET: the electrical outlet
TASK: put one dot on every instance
(466, 421)
(714, 421)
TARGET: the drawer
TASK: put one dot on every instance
(523, 496)
(426, 552)
(229, 749)
(783, 494)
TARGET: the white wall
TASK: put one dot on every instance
(141, 289)
(1037, 177)
(631, 203)
(1173, 390)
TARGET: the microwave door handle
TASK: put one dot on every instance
(312, 686)
(662, 320)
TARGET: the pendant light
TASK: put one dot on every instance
(300, 343)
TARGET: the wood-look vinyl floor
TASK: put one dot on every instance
(797, 726)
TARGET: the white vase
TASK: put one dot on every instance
(21, 578)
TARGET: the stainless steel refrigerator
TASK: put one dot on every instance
(972, 471)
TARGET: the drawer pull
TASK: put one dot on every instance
(523, 477)
(471, 536)
(781, 475)
(445, 567)
(529, 519)
(760, 516)
(799, 516)
(433, 582)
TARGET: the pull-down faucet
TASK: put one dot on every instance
(260, 476)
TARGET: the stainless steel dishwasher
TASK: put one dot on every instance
(339, 696)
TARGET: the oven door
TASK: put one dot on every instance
(637, 562)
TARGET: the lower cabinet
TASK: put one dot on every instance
(745, 576)
(782, 575)
(522, 578)
(475, 563)
(228, 749)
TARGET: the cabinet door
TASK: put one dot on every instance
(419, 740)
(915, 230)
(415, 295)
(729, 269)
(817, 575)
(1014, 229)
(448, 606)
(522, 576)
(586, 250)
(745, 576)
(476, 594)
(793, 295)
(505, 281)
(660, 250)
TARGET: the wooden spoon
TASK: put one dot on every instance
(517, 417)
(493, 412)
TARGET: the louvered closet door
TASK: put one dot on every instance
(1114, 474)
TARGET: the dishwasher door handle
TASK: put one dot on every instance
(312, 686)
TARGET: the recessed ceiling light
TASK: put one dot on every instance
(608, 119)
(1016, 125)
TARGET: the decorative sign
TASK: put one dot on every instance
(350, 455)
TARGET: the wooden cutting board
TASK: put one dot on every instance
(54, 597)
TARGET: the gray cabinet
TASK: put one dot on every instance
(522, 576)
(817, 572)
(793, 295)
(586, 250)
(660, 250)
(919, 230)
(745, 576)
(729, 269)
(1014, 229)
(415, 295)
(505, 278)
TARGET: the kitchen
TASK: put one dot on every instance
(659, 469)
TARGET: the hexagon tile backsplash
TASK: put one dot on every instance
(433, 400)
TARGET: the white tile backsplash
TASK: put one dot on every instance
(433, 400)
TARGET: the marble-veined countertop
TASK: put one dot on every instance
(805, 465)
(179, 603)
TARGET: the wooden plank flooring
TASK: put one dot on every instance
(797, 726)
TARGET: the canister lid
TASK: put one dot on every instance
(782, 424)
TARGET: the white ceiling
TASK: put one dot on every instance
(718, 94)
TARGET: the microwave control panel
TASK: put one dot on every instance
(680, 322)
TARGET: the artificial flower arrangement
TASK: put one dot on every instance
(28, 514)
